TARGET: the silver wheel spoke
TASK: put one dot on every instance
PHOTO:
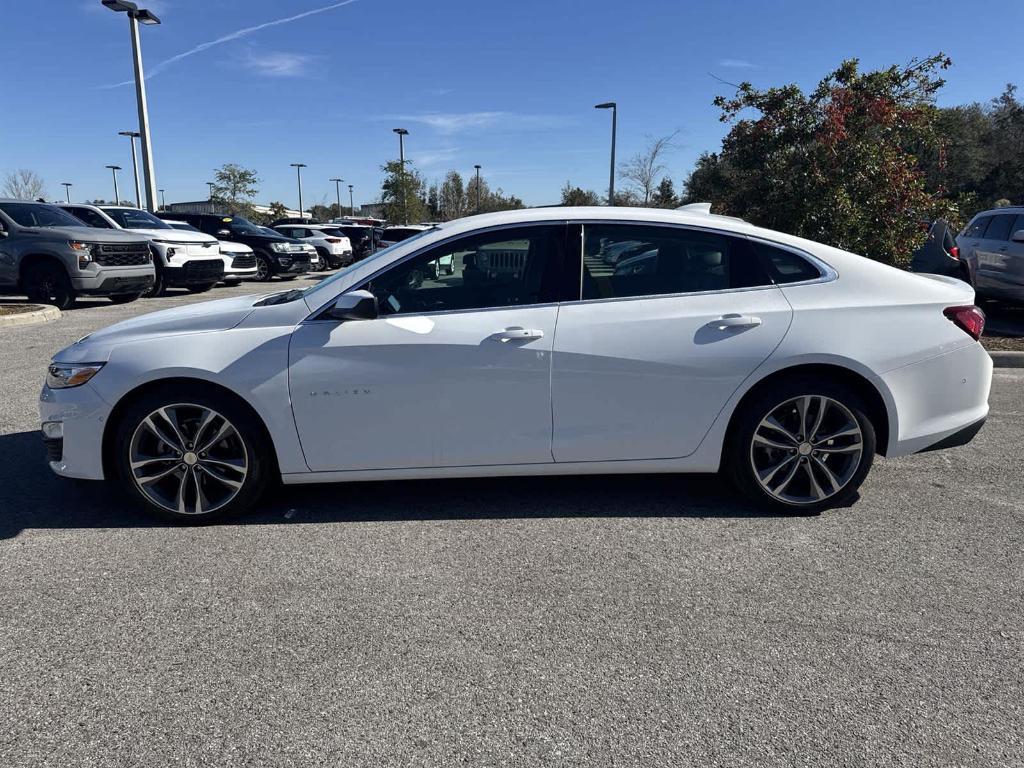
(766, 477)
(180, 500)
(156, 460)
(802, 407)
(762, 440)
(846, 431)
(225, 428)
(834, 483)
(161, 435)
(220, 478)
(855, 448)
(772, 423)
(819, 417)
(158, 476)
(237, 466)
(816, 488)
(781, 488)
(174, 426)
(208, 416)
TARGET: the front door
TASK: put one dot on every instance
(454, 372)
(665, 333)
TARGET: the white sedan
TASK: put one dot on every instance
(786, 363)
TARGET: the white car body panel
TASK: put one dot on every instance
(452, 406)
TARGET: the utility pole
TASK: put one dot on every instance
(611, 175)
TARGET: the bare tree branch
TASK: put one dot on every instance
(644, 168)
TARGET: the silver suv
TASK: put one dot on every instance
(53, 257)
(992, 246)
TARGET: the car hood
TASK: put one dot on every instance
(208, 316)
(229, 246)
(88, 234)
(174, 235)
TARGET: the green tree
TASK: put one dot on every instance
(402, 193)
(451, 197)
(665, 194)
(839, 165)
(235, 187)
(576, 196)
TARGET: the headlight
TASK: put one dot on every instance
(280, 247)
(65, 375)
(84, 251)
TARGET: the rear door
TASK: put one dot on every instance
(644, 362)
(993, 254)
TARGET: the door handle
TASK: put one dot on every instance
(518, 334)
(736, 321)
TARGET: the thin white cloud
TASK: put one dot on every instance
(236, 35)
(448, 123)
(431, 157)
(737, 64)
(278, 63)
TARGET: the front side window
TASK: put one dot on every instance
(999, 229)
(977, 227)
(621, 260)
(133, 218)
(39, 215)
(512, 267)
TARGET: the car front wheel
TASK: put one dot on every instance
(803, 446)
(49, 284)
(190, 456)
(264, 270)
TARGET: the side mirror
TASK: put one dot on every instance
(1018, 236)
(356, 305)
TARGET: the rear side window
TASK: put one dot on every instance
(1018, 225)
(90, 217)
(621, 260)
(999, 229)
(977, 227)
(785, 266)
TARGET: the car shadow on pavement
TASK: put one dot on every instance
(31, 496)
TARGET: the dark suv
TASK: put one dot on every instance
(275, 254)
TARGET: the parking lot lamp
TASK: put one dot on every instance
(402, 133)
(67, 190)
(113, 172)
(298, 175)
(477, 188)
(138, 16)
(611, 176)
(210, 185)
(163, 202)
(337, 192)
(132, 135)
(351, 205)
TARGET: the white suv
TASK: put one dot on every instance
(334, 247)
(189, 260)
(239, 259)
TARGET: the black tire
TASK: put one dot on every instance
(824, 461)
(248, 432)
(201, 288)
(124, 298)
(159, 287)
(327, 260)
(264, 267)
(47, 283)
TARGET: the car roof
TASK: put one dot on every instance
(1005, 209)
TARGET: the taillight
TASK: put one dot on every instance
(970, 319)
(955, 252)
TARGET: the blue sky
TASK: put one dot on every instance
(509, 85)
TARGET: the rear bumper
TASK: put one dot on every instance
(939, 401)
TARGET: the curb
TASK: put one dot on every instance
(1006, 359)
(37, 314)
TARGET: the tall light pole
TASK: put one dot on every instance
(351, 205)
(113, 172)
(138, 16)
(402, 133)
(477, 188)
(132, 136)
(337, 192)
(611, 175)
(67, 190)
(298, 175)
(163, 202)
(210, 185)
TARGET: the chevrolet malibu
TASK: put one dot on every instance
(784, 363)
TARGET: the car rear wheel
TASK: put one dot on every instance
(802, 446)
(49, 284)
(189, 456)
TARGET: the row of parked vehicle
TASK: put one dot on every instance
(56, 252)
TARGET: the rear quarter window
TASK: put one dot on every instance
(785, 266)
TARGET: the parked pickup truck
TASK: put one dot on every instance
(53, 257)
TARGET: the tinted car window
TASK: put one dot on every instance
(1018, 225)
(132, 218)
(507, 268)
(785, 266)
(39, 215)
(977, 227)
(999, 229)
(665, 260)
(90, 217)
(397, 234)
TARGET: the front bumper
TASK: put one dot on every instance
(83, 414)
(107, 282)
(195, 272)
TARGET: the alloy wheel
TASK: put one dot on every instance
(262, 268)
(806, 449)
(188, 459)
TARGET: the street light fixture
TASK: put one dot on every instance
(298, 175)
(138, 16)
(163, 202)
(477, 188)
(67, 190)
(611, 175)
(351, 205)
(132, 136)
(113, 172)
(402, 133)
(337, 192)
(210, 185)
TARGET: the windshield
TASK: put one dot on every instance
(241, 226)
(39, 215)
(364, 262)
(182, 225)
(133, 218)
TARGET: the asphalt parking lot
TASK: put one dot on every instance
(558, 621)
